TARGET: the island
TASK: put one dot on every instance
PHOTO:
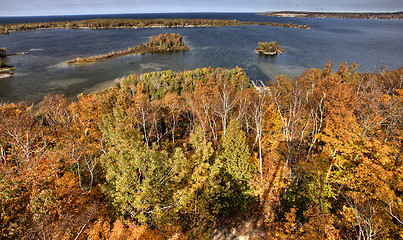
(136, 23)
(270, 49)
(363, 15)
(168, 42)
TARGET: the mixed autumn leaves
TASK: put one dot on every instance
(169, 155)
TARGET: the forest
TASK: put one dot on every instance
(168, 42)
(173, 155)
(136, 23)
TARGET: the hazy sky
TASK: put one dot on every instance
(75, 7)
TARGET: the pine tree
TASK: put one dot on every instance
(235, 152)
(140, 180)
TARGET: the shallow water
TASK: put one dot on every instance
(370, 43)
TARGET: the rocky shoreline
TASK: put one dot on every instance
(6, 71)
(268, 53)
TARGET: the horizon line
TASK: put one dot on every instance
(127, 13)
(123, 13)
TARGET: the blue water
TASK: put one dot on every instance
(239, 16)
(370, 43)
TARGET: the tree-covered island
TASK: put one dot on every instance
(271, 48)
(136, 23)
(168, 42)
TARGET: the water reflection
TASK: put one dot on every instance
(66, 83)
(272, 70)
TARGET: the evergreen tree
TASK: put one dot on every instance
(230, 192)
(140, 181)
(235, 152)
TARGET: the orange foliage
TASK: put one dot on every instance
(328, 146)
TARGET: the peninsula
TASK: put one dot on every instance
(168, 42)
(363, 15)
(5, 71)
(136, 23)
(271, 48)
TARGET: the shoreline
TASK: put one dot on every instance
(6, 75)
(6, 72)
(266, 53)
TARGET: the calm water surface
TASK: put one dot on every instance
(370, 43)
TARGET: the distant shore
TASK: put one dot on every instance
(368, 15)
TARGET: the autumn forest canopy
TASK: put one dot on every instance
(171, 155)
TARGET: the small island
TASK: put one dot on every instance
(271, 48)
(5, 71)
(168, 42)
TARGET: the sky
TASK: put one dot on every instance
(82, 7)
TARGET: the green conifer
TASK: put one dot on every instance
(235, 152)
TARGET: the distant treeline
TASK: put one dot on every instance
(135, 23)
(168, 42)
(372, 15)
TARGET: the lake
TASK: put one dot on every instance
(370, 43)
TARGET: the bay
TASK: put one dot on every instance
(370, 43)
